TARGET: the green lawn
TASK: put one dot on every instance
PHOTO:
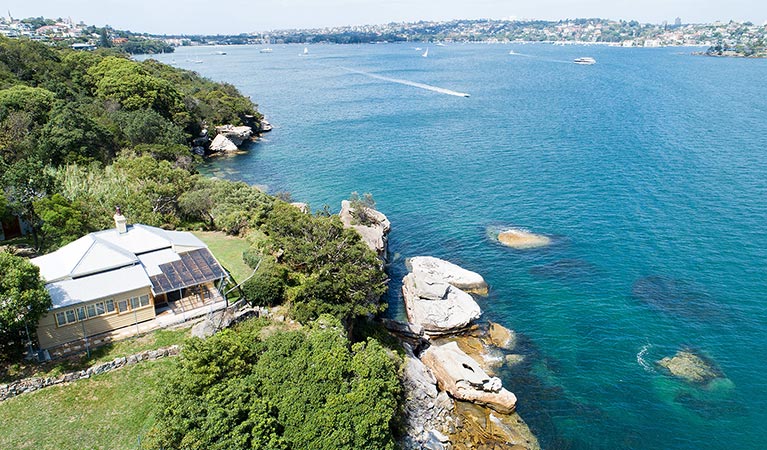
(109, 411)
(228, 250)
(150, 341)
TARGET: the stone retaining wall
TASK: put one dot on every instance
(32, 384)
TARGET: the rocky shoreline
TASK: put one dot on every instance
(453, 399)
(229, 138)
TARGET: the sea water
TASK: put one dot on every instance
(648, 170)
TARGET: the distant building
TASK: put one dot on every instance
(80, 46)
(678, 22)
(115, 279)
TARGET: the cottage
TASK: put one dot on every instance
(118, 278)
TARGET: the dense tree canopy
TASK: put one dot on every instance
(302, 389)
(23, 300)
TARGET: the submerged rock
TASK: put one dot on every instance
(437, 307)
(448, 272)
(676, 297)
(521, 239)
(486, 429)
(691, 367)
(374, 234)
(464, 379)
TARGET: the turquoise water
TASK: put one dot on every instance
(648, 169)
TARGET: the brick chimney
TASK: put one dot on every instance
(121, 223)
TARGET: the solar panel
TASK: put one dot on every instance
(194, 267)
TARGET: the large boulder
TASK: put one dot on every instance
(237, 135)
(448, 272)
(437, 307)
(464, 379)
(222, 144)
(374, 234)
(521, 239)
(691, 367)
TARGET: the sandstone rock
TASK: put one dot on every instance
(501, 337)
(521, 239)
(691, 367)
(373, 234)
(303, 207)
(514, 359)
(437, 307)
(448, 272)
(222, 144)
(464, 379)
(235, 134)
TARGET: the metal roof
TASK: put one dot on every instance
(193, 268)
(103, 285)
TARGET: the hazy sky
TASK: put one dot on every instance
(242, 16)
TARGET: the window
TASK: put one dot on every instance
(144, 300)
(91, 310)
(122, 306)
(80, 313)
(134, 303)
(70, 316)
(61, 319)
(110, 305)
(99, 308)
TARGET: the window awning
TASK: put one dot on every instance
(194, 267)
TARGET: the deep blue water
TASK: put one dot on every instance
(649, 170)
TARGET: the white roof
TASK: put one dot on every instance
(108, 250)
(102, 285)
(82, 257)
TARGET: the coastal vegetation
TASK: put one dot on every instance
(83, 132)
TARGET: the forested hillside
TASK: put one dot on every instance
(83, 132)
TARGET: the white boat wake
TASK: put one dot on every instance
(428, 87)
(640, 358)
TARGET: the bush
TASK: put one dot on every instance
(265, 288)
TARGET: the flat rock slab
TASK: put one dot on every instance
(448, 272)
(464, 379)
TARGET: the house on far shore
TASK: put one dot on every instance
(118, 282)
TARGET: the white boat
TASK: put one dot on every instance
(266, 50)
(221, 53)
(426, 53)
(439, 44)
(306, 52)
(511, 52)
(586, 61)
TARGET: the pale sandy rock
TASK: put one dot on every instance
(691, 367)
(522, 239)
(437, 307)
(222, 144)
(500, 336)
(235, 134)
(464, 379)
(373, 234)
(448, 272)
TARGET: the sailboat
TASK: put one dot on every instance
(426, 53)
(306, 52)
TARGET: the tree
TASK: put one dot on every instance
(361, 208)
(25, 182)
(62, 221)
(23, 300)
(339, 274)
(292, 389)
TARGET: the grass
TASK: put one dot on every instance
(111, 411)
(150, 341)
(228, 250)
